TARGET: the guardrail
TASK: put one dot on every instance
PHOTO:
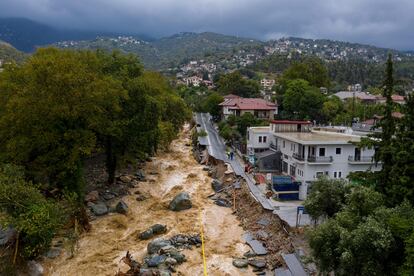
(299, 157)
(360, 159)
(320, 159)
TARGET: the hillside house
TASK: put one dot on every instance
(238, 106)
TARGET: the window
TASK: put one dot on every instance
(319, 174)
(260, 139)
(292, 170)
(284, 167)
(284, 144)
(338, 151)
(321, 151)
(326, 173)
(339, 174)
(264, 139)
(334, 174)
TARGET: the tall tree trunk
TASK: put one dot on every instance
(110, 160)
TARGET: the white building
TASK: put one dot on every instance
(306, 154)
(194, 81)
(267, 83)
(258, 140)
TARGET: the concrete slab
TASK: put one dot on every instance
(256, 245)
(282, 272)
(294, 265)
(288, 215)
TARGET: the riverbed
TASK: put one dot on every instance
(99, 251)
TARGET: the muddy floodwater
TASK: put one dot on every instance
(100, 250)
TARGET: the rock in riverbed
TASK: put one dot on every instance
(99, 209)
(240, 263)
(181, 202)
(121, 207)
(156, 229)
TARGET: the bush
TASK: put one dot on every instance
(35, 218)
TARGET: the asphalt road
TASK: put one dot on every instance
(217, 149)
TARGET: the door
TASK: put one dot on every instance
(357, 154)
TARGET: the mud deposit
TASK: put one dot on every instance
(99, 251)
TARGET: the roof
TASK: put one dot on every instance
(318, 137)
(230, 96)
(248, 104)
(398, 98)
(289, 122)
(260, 129)
(360, 95)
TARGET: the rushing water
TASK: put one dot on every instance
(99, 251)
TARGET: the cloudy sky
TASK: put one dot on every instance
(387, 23)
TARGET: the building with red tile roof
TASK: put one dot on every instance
(260, 108)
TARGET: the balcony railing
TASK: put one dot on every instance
(320, 159)
(299, 157)
(360, 159)
(274, 147)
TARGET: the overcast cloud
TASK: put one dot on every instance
(387, 23)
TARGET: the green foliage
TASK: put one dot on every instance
(331, 108)
(327, 197)
(355, 241)
(311, 69)
(35, 218)
(234, 83)
(211, 104)
(302, 101)
(10, 54)
(202, 133)
(51, 106)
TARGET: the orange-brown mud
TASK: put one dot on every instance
(100, 250)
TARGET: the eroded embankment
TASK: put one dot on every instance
(99, 251)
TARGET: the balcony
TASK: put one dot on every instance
(360, 159)
(298, 157)
(274, 147)
(320, 159)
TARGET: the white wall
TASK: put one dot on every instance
(340, 162)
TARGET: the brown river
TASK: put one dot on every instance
(100, 250)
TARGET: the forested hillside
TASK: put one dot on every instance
(61, 107)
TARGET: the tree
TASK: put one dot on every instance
(355, 241)
(35, 218)
(301, 101)
(50, 109)
(327, 197)
(211, 104)
(384, 152)
(331, 108)
(312, 70)
(234, 83)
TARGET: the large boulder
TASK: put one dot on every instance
(257, 263)
(121, 207)
(181, 202)
(7, 235)
(156, 260)
(156, 229)
(240, 263)
(147, 234)
(99, 209)
(159, 229)
(155, 245)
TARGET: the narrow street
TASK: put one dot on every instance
(99, 252)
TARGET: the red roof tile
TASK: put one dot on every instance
(248, 104)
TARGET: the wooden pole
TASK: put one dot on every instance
(16, 249)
